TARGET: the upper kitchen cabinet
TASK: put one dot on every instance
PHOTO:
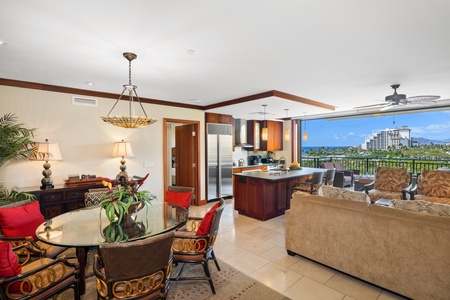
(275, 136)
(219, 119)
(253, 134)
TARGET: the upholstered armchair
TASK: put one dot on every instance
(194, 244)
(328, 178)
(18, 224)
(134, 270)
(39, 279)
(311, 186)
(389, 183)
(342, 178)
(340, 168)
(432, 186)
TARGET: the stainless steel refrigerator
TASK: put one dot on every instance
(220, 161)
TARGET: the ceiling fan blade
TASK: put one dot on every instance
(424, 98)
(370, 106)
(390, 106)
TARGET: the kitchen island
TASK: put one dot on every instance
(264, 195)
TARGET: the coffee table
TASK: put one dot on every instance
(83, 228)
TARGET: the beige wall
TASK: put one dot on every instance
(85, 141)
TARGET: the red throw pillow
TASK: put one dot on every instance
(180, 198)
(9, 267)
(205, 224)
(21, 221)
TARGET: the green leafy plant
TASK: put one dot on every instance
(121, 197)
(7, 196)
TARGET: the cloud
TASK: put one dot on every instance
(431, 129)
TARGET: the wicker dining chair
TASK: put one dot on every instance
(194, 244)
(137, 270)
(39, 279)
(18, 223)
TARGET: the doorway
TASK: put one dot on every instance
(181, 155)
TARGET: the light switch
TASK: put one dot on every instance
(149, 164)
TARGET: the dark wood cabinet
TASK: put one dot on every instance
(219, 119)
(275, 136)
(61, 199)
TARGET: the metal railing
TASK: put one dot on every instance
(369, 165)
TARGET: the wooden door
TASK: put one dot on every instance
(186, 158)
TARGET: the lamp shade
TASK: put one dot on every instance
(46, 151)
(122, 149)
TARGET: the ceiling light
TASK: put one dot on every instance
(264, 131)
(130, 120)
(3, 43)
(287, 136)
(89, 83)
(192, 52)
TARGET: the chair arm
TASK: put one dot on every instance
(33, 247)
(369, 187)
(98, 266)
(348, 172)
(191, 225)
(412, 191)
(190, 244)
(356, 172)
(338, 179)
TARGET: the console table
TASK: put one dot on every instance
(60, 199)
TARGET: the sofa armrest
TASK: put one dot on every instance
(412, 191)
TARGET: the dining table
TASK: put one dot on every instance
(88, 227)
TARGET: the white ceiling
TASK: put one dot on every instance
(343, 53)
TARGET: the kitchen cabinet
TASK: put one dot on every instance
(275, 136)
(250, 168)
(219, 119)
(253, 134)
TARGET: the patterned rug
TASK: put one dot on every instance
(230, 284)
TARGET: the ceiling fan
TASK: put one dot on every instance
(401, 100)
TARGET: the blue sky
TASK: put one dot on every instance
(352, 132)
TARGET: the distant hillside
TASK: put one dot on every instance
(425, 141)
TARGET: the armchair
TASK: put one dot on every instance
(18, 223)
(432, 186)
(194, 244)
(40, 279)
(390, 183)
(134, 270)
(312, 186)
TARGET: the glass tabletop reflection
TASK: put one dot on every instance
(87, 227)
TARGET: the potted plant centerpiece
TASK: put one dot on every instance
(124, 198)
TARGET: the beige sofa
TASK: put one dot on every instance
(402, 251)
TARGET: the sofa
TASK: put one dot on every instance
(399, 250)
(433, 186)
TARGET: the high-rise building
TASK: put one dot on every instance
(389, 137)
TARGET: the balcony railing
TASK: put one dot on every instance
(369, 165)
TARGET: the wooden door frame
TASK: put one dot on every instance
(165, 158)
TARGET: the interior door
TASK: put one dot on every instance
(186, 159)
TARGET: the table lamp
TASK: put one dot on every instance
(46, 151)
(122, 149)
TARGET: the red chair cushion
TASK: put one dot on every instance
(21, 221)
(10, 267)
(205, 224)
(180, 198)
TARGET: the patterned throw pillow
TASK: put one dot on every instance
(340, 193)
(422, 207)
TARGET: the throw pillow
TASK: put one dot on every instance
(10, 267)
(205, 224)
(180, 198)
(340, 193)
(21, 221)
(422, 207)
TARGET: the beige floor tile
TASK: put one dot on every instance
(262, 233)
(279, 256)
(308, 289)
(246, 262)
(224, 249)
(348, 298)
(278, 239)
(235, 236)
(245, 226)
(312, 270)
(276, 277)
(256, 245)
(353, 287)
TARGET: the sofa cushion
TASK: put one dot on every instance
(340, 193)
(434, 183)
(391, 179)
(422, 207)
(21, 221)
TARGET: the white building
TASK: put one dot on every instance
(388, 137)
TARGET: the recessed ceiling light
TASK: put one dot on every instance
(89, 83)
(196, 100)
(3, 43)
(190, 52)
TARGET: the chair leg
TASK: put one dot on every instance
(208, 276)
(215, 260)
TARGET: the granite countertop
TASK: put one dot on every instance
(280, 175)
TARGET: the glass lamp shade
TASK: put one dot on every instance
(264, 134)
(287, 136)
(305, 135)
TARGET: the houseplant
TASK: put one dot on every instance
(124, 198)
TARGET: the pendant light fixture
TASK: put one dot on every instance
(305, 133)
(130, 120)
(264, 131)
(287, 136)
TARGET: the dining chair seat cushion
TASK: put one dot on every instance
(21, 221)
(205, 224)
(186, 257)
(180, 198)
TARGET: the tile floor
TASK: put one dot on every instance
(256, 248)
